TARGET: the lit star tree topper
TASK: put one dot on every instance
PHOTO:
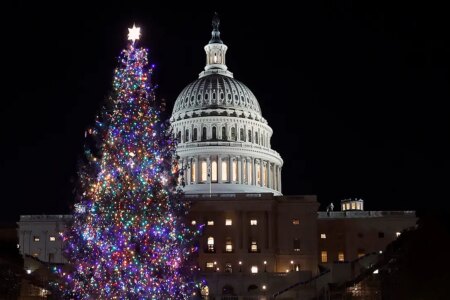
(130, 238)
(134, 33)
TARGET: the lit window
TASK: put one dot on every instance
(250, 173)
(228, 222)
(210, 265)
(254, 269)
(253, 222)
(52, 239)
(210, 223)
(229, 247)
(193, 222)
(341, 256)
(36, 238)
(264, 287)
(375, 272)
(235, 170)
(204, 171)
(297, 245)
(353, 205)
(214, 171)
(258, 174)
(295, 221)
(254, 247)
(211, 244)
(398, 233)
(193, 172)
(324, 256)
(323, 236)
(224, 170)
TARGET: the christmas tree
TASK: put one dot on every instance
(129, 238)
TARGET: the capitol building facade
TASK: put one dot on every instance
(257, 242)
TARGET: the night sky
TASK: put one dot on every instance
(355, 95)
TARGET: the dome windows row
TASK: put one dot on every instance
(242, 135)
(229, 169)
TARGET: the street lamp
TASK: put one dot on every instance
(240, 266)
(265, 266)
(292, 264)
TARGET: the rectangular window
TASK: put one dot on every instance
(209, 265)
(235, 170)
(210, 223)
(210, 244)
(228, 222)
(229, 247)
(254, 247)
(254, 269)
(295, 221)
(193, 171)
(204, 171)
(214, 171)
(324, 256)
(258, 174)
(253, 222)
(341, 256)
(224, 170)
(397, 234)
(52, 239)
(36, 238)
(297, 245)
(323, 236)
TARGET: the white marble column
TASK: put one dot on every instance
(219, 168)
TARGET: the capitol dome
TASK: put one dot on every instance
(217, 92)
(224, 141)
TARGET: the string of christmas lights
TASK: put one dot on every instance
(130, 238)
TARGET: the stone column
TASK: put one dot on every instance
(197, 169)
(253, 172)
(187, 171)
(279, 179)
(261, 168)
(269, 174)
(219, 169)
(239, 172)
(230, 169)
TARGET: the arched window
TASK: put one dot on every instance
(204, 171)
(203, 133)
(224, 133)
(211, 247)
(186, 136)
(194, 138)
(233, 133)
(214, 171)
(250, 136)
(214, 133)
(225, 170)
(241, 133)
